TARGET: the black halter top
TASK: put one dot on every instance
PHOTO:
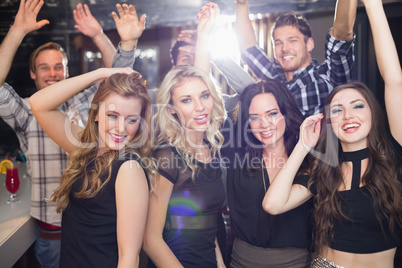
(356, 158)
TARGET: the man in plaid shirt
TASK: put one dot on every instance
(46, 160)
(309, 82)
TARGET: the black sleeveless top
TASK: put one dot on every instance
(363, 233)
(89, 237)
(193, 204)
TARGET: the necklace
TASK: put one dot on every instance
(262, 172)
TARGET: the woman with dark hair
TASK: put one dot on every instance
(103, 193)
(267, 128)
(355, 176)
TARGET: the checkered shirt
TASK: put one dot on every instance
(46, 161)
(311, 85)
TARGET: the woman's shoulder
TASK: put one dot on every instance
(123, 157)
(165, 151)
(129, 156)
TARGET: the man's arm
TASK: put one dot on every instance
(344, 20)
(244, 28)
(129, 26)
(24, 23)
(130, 29)
(89, 26)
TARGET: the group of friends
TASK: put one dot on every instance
(308, 163)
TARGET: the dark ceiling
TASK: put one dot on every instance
(184, 12)
(159, 12)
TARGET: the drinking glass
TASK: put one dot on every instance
(12, 184)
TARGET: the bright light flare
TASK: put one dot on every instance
(223, 40)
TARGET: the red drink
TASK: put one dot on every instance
(12, 180)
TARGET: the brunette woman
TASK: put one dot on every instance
(267, 129)
(354, 178)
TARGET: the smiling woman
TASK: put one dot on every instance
(103, 193)
(119, 120)
(355, 177)
(184, 209)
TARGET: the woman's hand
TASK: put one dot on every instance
(310, 131)
(207, 17)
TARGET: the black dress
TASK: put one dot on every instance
(191, 222)
(89, 237)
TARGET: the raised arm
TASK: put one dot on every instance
(207, 18)
(344, 20)
(282, 194)
(245, 31)
(89, 26)
(388, 64)
(24, 23)
(45, 102)
(132, 208)
(154, 245)
(129, 26)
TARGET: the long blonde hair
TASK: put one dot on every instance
(127, 86)
(168, 129)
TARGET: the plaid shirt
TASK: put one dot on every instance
(46, 161)
(311, 85)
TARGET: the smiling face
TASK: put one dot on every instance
(51, 67)
(266, 120)
(118, 121)
(193, 104)
(291, 49)
(350, 119)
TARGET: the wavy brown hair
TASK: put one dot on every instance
(380, 177)
(85, 159)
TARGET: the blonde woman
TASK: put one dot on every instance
(103, 193)
(183, 212)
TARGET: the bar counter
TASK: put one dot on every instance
(17, 227)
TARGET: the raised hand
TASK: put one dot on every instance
(188, 36)
(129, 27)
(85, 22)
(207, 17)
(25, 20)
(310, 131)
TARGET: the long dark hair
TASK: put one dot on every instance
(380, 177)
(287, 106)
